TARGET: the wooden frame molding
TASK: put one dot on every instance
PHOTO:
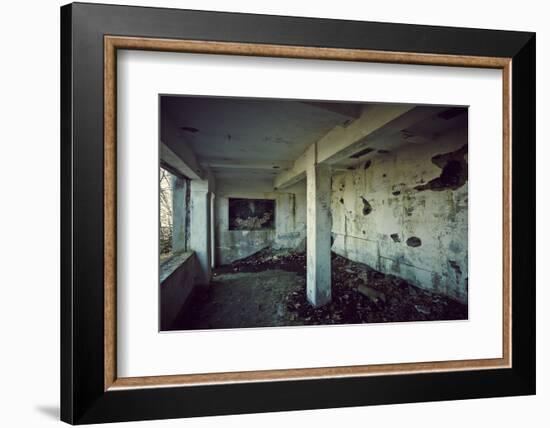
(113, 43)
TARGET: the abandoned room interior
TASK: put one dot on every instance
(291, 212)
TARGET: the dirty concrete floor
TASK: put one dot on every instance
(268, 290)
(242, 299)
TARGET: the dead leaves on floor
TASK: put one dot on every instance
(359, 294)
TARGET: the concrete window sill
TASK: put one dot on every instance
(169, 266)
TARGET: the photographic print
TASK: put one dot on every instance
(276, 213)
(292, 183)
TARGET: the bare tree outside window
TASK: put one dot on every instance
(166, 212)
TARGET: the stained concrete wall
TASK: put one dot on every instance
(178, 277)
(405, 213)
(200, 239)
(289, 231)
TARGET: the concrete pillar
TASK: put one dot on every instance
(179, 214)
(200, 227)
(319, 225)
(212, 230)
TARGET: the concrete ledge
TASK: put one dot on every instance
(168, 266)
(178, 276)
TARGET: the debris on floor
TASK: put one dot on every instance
(363, 295)
(268, 259)
(359, 295)
(241, 300)
(373, 295)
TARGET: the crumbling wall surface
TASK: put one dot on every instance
(405, 212)
(289, 231)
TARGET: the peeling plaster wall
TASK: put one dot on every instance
(404, 213)
(289, 231)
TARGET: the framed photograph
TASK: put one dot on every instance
(267, 213)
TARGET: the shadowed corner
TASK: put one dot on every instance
(51, 411)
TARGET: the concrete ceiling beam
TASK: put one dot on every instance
(176, 152)
(225, 163)
(346, 110)
(376, 123)
(342, 141)
(298, 170)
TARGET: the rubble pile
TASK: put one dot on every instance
(268, 259)
(360, 294)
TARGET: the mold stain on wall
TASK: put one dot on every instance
(288, 230)
(405, 212)
(454, 171)
(251, 214)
